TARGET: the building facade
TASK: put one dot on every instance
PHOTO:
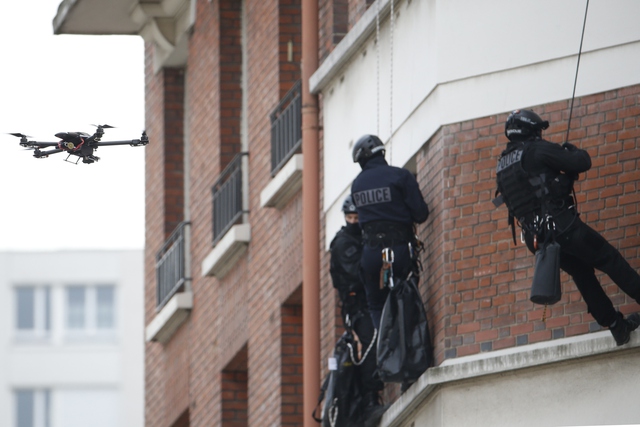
(227, 272)
(71, 329)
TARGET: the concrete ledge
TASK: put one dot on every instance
(501, 362)
(169, 319)
(227, 252)
(284, 185)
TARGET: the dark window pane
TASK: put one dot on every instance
(105, 307)
(47, 309)
(76, 307)
(24, 410)
(26, 308)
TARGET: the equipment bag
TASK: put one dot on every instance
(404, 342)
(341, 391)
(545, 288)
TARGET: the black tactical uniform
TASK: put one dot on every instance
(389, 202)
(346, 250)
(535, 178)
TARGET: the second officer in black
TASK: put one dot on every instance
(389, 202)
(346, 251)
(535, 179)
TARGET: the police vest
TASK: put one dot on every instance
(522, 192)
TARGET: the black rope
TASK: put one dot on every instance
(573, 96)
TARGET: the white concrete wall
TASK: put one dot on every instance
(578, 381)
(455, 60)
(94, 380)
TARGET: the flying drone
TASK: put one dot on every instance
(78, 144)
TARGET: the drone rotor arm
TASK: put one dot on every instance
(132, 142)
(40, 154)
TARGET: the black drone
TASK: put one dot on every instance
(78, 144)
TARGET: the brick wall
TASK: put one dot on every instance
(356, 9)
(234, 398)
(206, 160)
(230, 79)
(289, 43)
(234, 384)
(164, 210)
(291, 360)
(174, 147)
(476, 281)
(241, 313)
(334, 25)
(154, 232)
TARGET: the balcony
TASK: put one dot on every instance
(171, 269)
(286, 141)
(173, 296)
(227, 198)
(230, 234)
(286, 128)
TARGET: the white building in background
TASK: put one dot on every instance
(71, 335)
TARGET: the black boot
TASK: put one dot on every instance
(621, 328)
(373, 410)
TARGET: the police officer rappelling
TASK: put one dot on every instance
(346, 251)
(389, 202)
(535, 179)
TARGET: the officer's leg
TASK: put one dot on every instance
(363, 327)
(371, 263)
(587, 244)
(371, 384)
(583, 275)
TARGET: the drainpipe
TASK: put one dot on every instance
(310, 216)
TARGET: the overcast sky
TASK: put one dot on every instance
(62, 83)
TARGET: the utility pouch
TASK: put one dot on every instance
(545, 288)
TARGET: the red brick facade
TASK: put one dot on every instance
(236, 361)
(476, 281)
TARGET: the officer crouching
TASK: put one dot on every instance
(535, 179)
(388, 201)
(346, 251)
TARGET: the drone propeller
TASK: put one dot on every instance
(20, 135)
(104, 126)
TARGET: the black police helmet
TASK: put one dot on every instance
(524, 124)
(348, 206)
(366, 147)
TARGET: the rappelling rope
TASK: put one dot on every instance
(391, 25)
(575, 81)
(378, 67)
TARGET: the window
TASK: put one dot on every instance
(33, 311)
(32, 408)
(90, 309)
(105, 307)
(76, 314)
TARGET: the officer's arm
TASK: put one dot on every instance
(414, 200)
(569, 158)
(336, 270)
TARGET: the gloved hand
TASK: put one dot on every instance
(569, 146)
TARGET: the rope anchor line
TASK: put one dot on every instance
(575, 81)
(391, 29)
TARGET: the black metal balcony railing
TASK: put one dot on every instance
(286, 128)
(227, 198)
(171, 271)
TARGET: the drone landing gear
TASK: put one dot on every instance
(85, 159)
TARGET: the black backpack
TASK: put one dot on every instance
(341, 390)
(404, 343)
